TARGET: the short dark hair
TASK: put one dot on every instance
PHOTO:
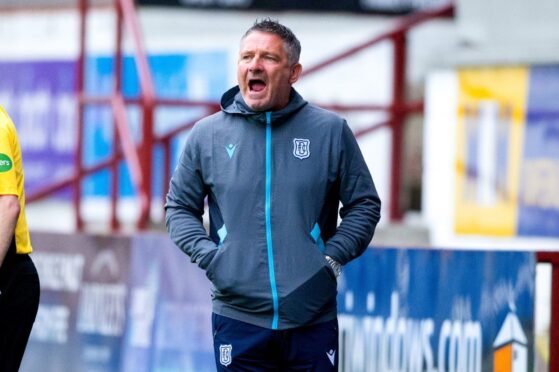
(272, 26)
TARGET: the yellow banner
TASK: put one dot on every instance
(491, 117)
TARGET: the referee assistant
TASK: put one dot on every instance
(19, 282)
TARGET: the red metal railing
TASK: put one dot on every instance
(553, 259)
(400, 108)
(139, 157)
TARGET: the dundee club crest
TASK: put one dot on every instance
(225, 357)
(301, 148)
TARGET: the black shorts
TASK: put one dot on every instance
(19, 302)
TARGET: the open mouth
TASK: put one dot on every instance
(256, 85)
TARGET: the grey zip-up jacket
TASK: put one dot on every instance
(274, 181)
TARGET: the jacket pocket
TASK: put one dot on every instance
(317, 238)
(237, 277)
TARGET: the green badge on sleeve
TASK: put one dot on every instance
(5, 163)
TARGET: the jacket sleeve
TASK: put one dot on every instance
(360, 210)
(184, 206)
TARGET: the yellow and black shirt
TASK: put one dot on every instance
(11, 177)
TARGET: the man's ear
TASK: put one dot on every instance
(295, 73)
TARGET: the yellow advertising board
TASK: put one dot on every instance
(491, 121)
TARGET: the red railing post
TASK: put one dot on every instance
(166, 166)
(148, 104)
(553, 259)
(397, 122)
(80, 88)
(554, 324)
(146, 160)
(117, 90)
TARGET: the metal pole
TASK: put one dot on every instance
(146, 160)
(148, 104)
(117, 86)
(397, 123)
(167, 164)
(554, 325)
(80, 87)
(553, 259)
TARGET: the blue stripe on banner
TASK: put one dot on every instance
(532, 114)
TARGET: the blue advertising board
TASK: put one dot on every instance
(539, 205)
(83, 305)
(434, 310)
(199, 76)
(40, 98)
(137, 304)
(169, 323)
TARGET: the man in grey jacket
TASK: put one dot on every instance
(275, 169)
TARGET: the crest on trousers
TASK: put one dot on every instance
(225, 357)
(301, 148)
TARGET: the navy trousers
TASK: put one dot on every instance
(240, 346)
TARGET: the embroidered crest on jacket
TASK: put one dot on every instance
(301, 148)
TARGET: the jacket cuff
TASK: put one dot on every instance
(205, 261)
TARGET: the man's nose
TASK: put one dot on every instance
(255, 64)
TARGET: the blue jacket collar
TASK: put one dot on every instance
(232, 102)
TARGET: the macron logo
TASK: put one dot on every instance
(230, 149)
(331, 355)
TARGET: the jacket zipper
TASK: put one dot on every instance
(269, 219)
